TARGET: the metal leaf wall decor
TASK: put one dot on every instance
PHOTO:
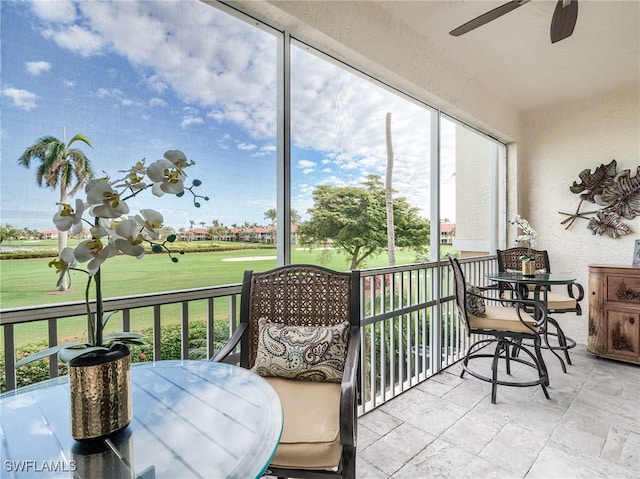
(618, 195)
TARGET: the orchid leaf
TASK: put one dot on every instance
(107, 318)
(124, 336)
(67, 355)
(48, 352)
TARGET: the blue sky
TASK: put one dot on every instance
(142, 77)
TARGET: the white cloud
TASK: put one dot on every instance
(246, 146)
(157, 102)
(306, 166)
(225, 69)
(59, 11)
(36, 68)
(21, 98)
(76, 39)
(190, 120)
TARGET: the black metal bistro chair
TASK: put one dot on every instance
(300, 330)
(504, 327)
(557, 303)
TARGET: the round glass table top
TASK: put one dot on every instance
(190, 419)
(538, 278)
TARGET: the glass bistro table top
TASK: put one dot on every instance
(190, 419)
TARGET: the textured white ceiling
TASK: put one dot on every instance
(514, 56)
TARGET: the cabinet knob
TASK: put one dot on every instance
(632, 320)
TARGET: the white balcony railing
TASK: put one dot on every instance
(407, 313)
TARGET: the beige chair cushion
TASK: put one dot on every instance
(311, 434)
(560, 301)
(502, 318)
(554, 300)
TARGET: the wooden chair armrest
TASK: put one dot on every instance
(349, 390)
(231, 344)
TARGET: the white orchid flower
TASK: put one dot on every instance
(178, 158)
(105, 201)
(63, 264)
(130, 241)
(166, 177)
(151, 221)
(95, 252)
(135, 176)
(68, 218)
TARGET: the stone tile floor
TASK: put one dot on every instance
(446, 427)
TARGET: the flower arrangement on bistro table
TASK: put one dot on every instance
(529, 237)
(112, 233)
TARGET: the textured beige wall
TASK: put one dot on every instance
(558, 144)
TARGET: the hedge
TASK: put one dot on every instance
(171, 349)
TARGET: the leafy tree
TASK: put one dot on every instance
(8, 232)
(59, 166)
(354, 219)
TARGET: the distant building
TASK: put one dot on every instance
(447, 233)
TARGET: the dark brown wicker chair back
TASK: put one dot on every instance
(509, 259)
(297, 295)
(460, 292)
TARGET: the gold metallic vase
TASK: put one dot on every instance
(528, 268)
(100, 392)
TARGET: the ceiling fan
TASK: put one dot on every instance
(562, 23)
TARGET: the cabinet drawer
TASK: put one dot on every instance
(625, 289)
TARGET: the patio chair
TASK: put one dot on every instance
(504, 327)
(509, 260)
(312, 314)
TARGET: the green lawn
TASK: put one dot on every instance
(26, 282)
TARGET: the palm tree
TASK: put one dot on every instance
(59, 166)
(271, 215)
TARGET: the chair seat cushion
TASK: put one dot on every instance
(311, 434)
(555, 301)
(502, 318)
(560, 301)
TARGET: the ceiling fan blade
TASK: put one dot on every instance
(564, 20)
(487, 17)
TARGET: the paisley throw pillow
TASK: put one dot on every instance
(305, 353)
(475, 305)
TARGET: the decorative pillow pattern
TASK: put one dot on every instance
(305, 353)
(475, 305)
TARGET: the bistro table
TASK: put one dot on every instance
(191, 419)
(540, 284)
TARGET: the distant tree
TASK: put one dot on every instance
(354, 219)
(8, 232)
(59, 166)
(295, 217)
(271, 215)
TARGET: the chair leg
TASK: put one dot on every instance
(348, 463)
(494, 370)
(542, 368)
(553, 348)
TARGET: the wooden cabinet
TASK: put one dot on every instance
(614, 312)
